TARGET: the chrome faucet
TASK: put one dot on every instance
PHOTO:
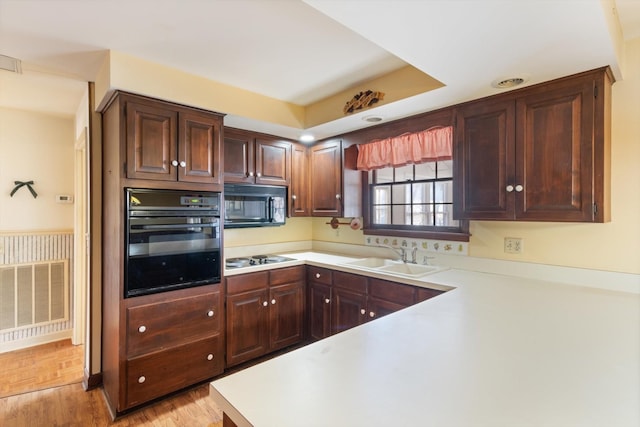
(414, 255)
(401, 252)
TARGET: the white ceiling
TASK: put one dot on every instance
(302, 51)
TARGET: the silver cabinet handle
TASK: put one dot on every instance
(317, 275)
(142, 329)
(273, 301)
(174, 163)
(293, 197)
(141, 379)
(519, 188)
(183, 164)
(209, 356)
(327, 300)
(210, 313)
(509, 188)
(250, 173)
(258, 174)
(265, 303)
(338, 196)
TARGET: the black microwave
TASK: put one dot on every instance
(247, 205)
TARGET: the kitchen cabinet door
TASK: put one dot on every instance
(319, 310)
(326, 179)
(239, 155)
(273, 162)
(286, 324)
(151, 131)
(349, 309)
(247, 326)
(199, 148)
(554, 168)
(484, 160)
(299, 188)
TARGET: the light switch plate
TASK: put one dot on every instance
(513, 245)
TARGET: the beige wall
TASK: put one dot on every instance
(614, 246)
(36, 147)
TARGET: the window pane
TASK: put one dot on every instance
(383, 175)
(444, 192)
(382, 195)
(382, 214)
(404, 173)
(444, 216)
(422, 215)
(401, 193)
(445, 169)
(422, 192)
(426, 171)
(401, 214)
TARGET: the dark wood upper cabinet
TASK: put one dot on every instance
(538, 154)
(326, 179)
(253, 158)
(299, 196)
(166, 142)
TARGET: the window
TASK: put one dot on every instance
(415, 200)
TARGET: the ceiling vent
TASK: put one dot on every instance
(10, 64)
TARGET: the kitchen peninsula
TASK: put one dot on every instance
(495, 350)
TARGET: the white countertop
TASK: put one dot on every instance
(495, 351)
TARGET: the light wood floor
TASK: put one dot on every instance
(41, 368)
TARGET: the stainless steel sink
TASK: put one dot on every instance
(393, 268)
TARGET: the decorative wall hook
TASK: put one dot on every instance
(20, 184)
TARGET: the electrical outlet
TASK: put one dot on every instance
(513, 245)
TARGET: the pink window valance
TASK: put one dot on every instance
(429, 145)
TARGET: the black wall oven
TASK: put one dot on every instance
(172, 240)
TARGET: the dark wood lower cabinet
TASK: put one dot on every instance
(319, 310)
(247, 320)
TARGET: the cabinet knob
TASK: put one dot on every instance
(519, 188)
(372, 314)
(327, 300)
(250, 173)
(273, 301)
(363, 311)
(509, 188)
(265, 303)
(338, 196)
(183, 164)
(174, 163)
(209, 356)
(317, 275)
(210, 313)
(141, 379)
(258, 174)
(293, 197)
(142, 329)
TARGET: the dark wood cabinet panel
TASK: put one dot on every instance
(320, 275)
(155, 326)
(326, 179)
(319, 310)
(424, 294)
(348, 309)
(247, 320)
(555, 137)
(199, 148)
(166, 142)
(538, 154)
(404, 295)
(484, 160)
(299, 188)
(151, 132)
(156, 374)
(286, 315)
(254, 158)
(377, 308)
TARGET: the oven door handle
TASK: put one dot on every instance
(172, 226)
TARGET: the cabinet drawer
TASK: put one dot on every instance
(157, 326)
(247, 282)
(320, 275)
(391, 291)
(349, 281)
(166, 371)
(282, 276)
